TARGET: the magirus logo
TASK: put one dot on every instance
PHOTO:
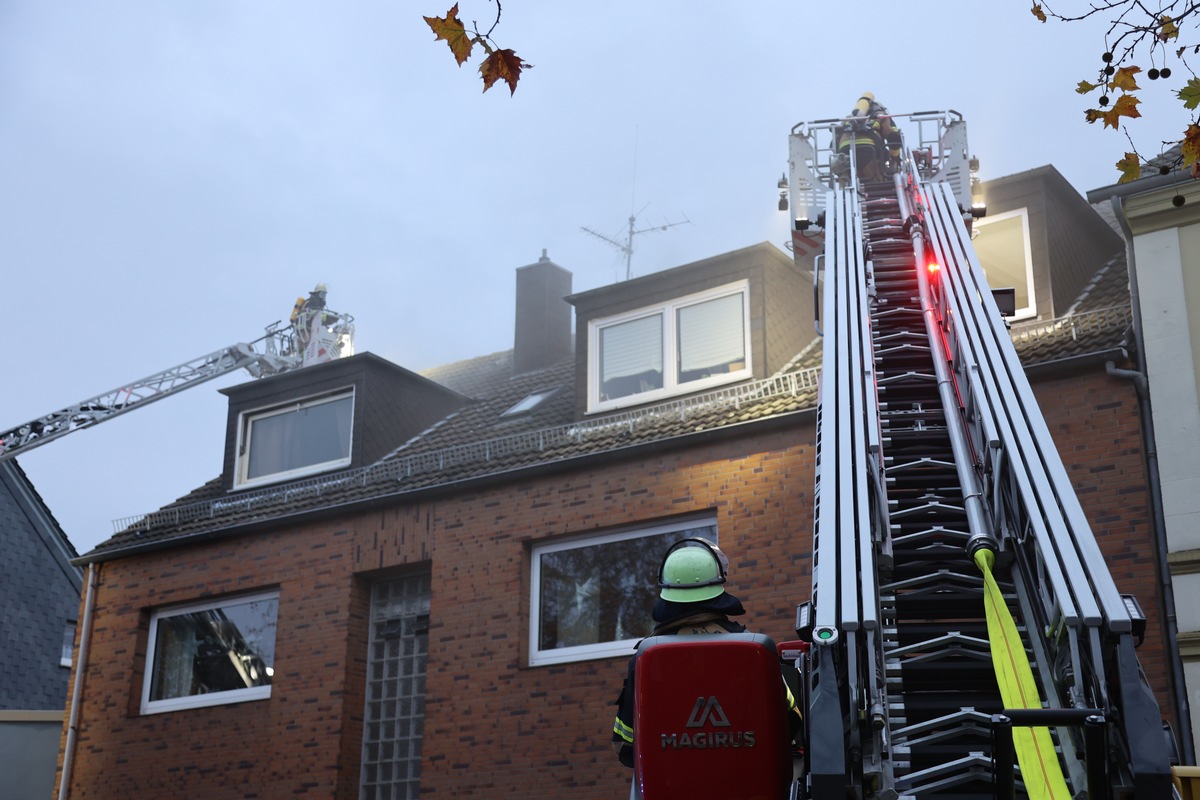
(707, 711)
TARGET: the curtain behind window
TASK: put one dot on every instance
(307, 435)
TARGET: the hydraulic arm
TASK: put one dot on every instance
(325, 337)
(967, 637)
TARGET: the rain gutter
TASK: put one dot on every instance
(77, 689)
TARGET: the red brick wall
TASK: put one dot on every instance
(494, 727)
(1093, 418)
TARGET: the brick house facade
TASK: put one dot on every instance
(493, 725)
(432, 566)
(1092, 416)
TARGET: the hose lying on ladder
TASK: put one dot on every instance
(1040, 770)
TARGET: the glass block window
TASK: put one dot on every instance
(394, 717)
(592, 597)
(686, 345)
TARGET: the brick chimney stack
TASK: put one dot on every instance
(543, 324)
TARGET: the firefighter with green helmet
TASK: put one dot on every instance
(691, 600)
(692, 596)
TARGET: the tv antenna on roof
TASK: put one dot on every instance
(626, 247)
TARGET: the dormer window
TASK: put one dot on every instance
(685, 345)
(293, 440)
(1007, 258)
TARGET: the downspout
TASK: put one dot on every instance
(1141, 383)
(77, 690)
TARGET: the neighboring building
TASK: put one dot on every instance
(1164, 245)
(39, 598)
(407, 581)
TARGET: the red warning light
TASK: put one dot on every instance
(934, 268)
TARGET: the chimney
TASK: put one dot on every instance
(543, 327)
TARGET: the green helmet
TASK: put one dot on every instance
(692, 570)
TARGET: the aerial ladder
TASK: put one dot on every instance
(314, 334)
(966, 638)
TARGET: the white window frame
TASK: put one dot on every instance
(246, 420)
(228, 697)
(671, 386)
(1028, 311)
(622, 647)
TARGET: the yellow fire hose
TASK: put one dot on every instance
(1040, 770)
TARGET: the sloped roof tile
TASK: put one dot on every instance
(478, 441)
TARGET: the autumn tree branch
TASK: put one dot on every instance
(1140, 32)
(499, 64)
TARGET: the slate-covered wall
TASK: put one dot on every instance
(39, 595)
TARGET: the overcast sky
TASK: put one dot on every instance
(174, 174)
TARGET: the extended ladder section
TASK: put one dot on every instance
(281, 349)
(968, 639)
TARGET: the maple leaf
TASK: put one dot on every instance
(1190, 94)
(1190, 146)
(1084, 87)
(1038, 12)
(502, 65)
(1093, 114)
(1125, 80)
(1126, 106)
(1167, 29)
(1130, 167)
(451, 29)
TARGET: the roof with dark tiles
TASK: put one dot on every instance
(474, 377)
(478, 441)
(1097, 322)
